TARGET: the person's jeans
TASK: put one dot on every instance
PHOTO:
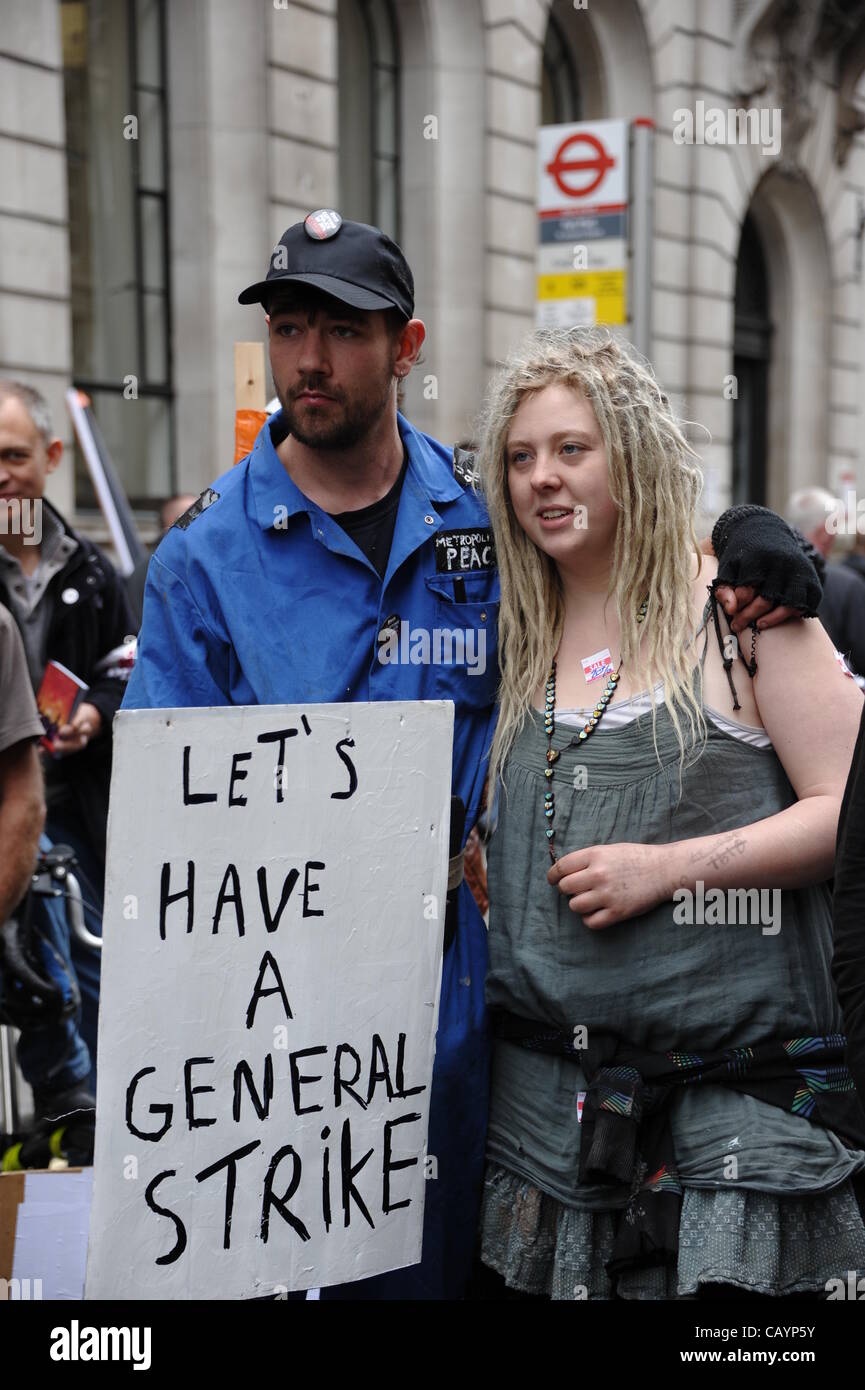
(56, 1057)
(64, 829)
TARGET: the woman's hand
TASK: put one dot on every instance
(609, 883)
(743, 606)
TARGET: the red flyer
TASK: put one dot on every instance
(56, 698)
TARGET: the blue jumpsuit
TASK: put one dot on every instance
(263, 599)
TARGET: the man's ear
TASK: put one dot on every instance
(53, 454)
(409, 345)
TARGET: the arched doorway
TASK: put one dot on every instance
(752, 346)
(781, 344)
(595, 63)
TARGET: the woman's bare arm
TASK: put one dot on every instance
(811, 711)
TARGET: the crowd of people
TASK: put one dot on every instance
(638, 1092)
(62, 603)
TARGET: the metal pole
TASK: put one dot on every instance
(641, 232)
(106, 484)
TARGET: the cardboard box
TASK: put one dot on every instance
(44, 1220)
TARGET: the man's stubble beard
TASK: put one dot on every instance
(358, 419)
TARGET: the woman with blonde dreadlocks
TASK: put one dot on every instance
(670, 1110)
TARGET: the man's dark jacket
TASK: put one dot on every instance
(80, 635)
(855, 562)
(842, 613)
(848, 963)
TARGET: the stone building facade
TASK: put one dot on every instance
(123, 245)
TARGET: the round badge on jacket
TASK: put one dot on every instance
(70, 596)
(322, 224)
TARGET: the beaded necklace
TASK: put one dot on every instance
(552, 753)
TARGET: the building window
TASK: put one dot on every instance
(560, 88)
(368, 113)
(751, 357)
(115, 81)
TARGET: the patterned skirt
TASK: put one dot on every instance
(755, 1241)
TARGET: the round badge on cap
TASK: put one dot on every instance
(322, 224)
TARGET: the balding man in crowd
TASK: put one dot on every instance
(842, 608)
(70, 607)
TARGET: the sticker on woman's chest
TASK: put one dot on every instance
(597, 665)
(465, 550)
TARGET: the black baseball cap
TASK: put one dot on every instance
(351, 261)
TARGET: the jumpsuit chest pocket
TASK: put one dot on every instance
(464, 639)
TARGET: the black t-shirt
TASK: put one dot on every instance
(371, 528)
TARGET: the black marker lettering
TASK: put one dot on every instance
(401, 1090)
(389, 1167)
(193, 798)
(166, 898)
(280, 737)
(325, 1180)
(311, 888)
(230, 1162)
(180, 1245)
(192, 1091)
(267, 962)
(243, 1072)
(224, 897)
(352, 775)
(287, 888)
(375, 1076)
(166, 1110)
(237, 776)
(270, 1200)
(348, 1174)
(339, 1082)
(297, 1080)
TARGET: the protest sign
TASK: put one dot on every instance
(274, 918)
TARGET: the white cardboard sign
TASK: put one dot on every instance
(274, 915)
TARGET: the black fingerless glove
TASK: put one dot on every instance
(756, 547)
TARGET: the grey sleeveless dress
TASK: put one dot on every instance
(768, 1204)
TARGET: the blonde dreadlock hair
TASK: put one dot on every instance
(655, 486)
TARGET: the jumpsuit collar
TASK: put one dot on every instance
(428, 480)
